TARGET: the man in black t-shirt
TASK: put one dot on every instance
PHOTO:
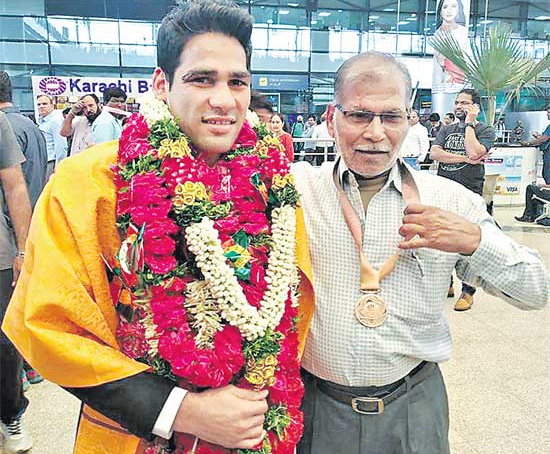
(461, 149)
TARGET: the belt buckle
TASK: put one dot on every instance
(356, 401)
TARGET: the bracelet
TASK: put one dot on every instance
(20, 254)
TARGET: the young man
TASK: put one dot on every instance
(449, 118)
(309, 147)
(74, 325)
(50, 121)
(435, 124)
(14, 191)
(78, 122)
(379, 330)
(108, 126)
(460, 149)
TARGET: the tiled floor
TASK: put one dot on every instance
(498, 380)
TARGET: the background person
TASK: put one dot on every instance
(533, 207)
(78, 122)
(460, 149)
(543, 142)
(108, 125)
(417, 144)
(12, 251)
(297, 131)
(309, 147)
(435, 124)
(261, 106)
(449, 118)
(323, 148)
(50, 121)
(277, 126)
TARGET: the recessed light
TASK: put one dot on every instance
(294, 5)
(374, 17)
(403, 22)
(284, 11)
(542, 18)
(313, 22)
(485, 22)
(388, 9)
(324, 14)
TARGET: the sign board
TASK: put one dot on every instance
(280, 82)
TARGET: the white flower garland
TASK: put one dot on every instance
(203, 241)
(153, 109)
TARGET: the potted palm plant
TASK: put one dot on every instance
(493, 64)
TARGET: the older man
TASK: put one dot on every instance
(383, 242)
(416, 144)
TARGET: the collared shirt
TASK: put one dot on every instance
(105, 128)
(56, 144)
(342, 350)
(416, 143)
(33, 145)
(321, 132)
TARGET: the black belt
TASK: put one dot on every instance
(372, 400)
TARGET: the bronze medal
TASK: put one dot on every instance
(371, 310)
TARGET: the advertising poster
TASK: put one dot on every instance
(452, 16)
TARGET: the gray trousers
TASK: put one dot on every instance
(415, 423)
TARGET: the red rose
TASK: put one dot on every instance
(163, 245)
(247, 137)
(132, 150)
(160, 264)
(136, 128)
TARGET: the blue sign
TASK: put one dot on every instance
(280, 82)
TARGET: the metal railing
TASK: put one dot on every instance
(323, 151)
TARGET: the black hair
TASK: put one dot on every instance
(460, 17)
(282, 117)
(113, 92)
(450, 115)
(312, 116)
(196, 17)
(95, 98)
(476, 98)
(434, 117)
(5, 87)
(259, 101)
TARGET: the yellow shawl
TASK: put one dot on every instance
(62, 318)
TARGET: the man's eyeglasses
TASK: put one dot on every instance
(365, 117)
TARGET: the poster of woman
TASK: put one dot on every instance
(451, 18)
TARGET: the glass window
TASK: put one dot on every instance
(144, 56)
(138, 32)
(328, 62)
(538, 24)
(84, 54)
(20, 76)
(280, 60)
(24, 52)
(24, 28)
(22, 7)
(343, 41)
(383, 21)
(83, 30)
(283, 15)
(381, 42)
(324, 19)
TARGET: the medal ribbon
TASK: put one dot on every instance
(369, 277)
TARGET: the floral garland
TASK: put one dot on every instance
(207, 260)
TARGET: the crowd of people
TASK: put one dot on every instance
(172, 281)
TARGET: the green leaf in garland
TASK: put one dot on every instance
(265, 449)
(243, 273)
(277, 420)
(241, 238)
(167, 128)
(262, 347)
(161, 367)
(261, 240)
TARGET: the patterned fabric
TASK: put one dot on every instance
(338, 347)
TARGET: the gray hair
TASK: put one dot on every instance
(343, 74)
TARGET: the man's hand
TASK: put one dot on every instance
(77, 107)
(17, 266)
(472, 111)
(431, 227)
(231, 417)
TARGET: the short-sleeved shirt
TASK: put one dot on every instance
(33, 146)
(545, 146)
(105, 128)
(452, 139)
(10, 156)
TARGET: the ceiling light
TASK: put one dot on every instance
(324, 14)
(413, 14)
(403, 22)
(485, 22)
(294, 5)
(313, 22)
(411, 19)
(284, 11)
(374, 17)
(542, 18)
(388, 9)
